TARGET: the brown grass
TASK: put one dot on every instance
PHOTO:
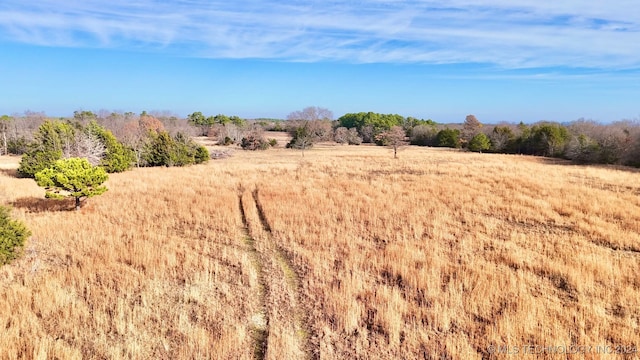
(346, 253)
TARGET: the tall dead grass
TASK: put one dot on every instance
(438, 254)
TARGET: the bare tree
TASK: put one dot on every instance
(470, 128)
(311, 113)
(308, 126)
(136, 134)
(341, 135)
(86, 145)
(393, 138)
(5, 122)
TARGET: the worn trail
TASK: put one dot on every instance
(286, 334)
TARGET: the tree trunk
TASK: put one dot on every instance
(77, 204)
(4, 142)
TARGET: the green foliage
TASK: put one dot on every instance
(206, 123)
(83, 116)
(548, 139)
(378, 122)
(479, 143)
(49, 141)
(273, 142)
(302, 137)
(74, 177)
(201, 154)
(197, 118)
(158, 150)
(17, 146)
(448, 138)
(12, 237)
(163, 150)
(117, 158)
(55, 139)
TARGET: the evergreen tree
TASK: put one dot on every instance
(74, 177)
(12, 237)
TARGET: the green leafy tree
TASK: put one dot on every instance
(50, 141)
(448, 138)
(12, 236)
(370, 124)
(549, 139)
(203, 123)
(221, 119)
(83, 116)
(163, 150)
(74, 177)
(479, 143)
(158, 150)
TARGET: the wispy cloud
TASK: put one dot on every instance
(506, 33)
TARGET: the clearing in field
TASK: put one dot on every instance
(345, 253)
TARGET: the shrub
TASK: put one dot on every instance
(254, 142)
(201, 154)
(479, 143)
(12, 237)
(163, 150)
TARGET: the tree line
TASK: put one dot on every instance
(582, 140)
(144, 141)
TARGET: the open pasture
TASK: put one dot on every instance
(342, 253)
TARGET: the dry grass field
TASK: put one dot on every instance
(345, 253)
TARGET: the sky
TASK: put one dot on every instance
(501, 60)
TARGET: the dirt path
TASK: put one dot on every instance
(259, 319)
(285, 334)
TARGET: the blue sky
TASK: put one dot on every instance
(502, 60)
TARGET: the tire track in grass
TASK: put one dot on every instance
(299, 317)
(260, 319)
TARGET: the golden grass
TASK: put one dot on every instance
(438, 254)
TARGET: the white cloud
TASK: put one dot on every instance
(508, 33)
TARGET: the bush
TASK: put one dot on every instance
(479, 143)
(12, 237)
(254, 142)
(163, 150)
(273, 142)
